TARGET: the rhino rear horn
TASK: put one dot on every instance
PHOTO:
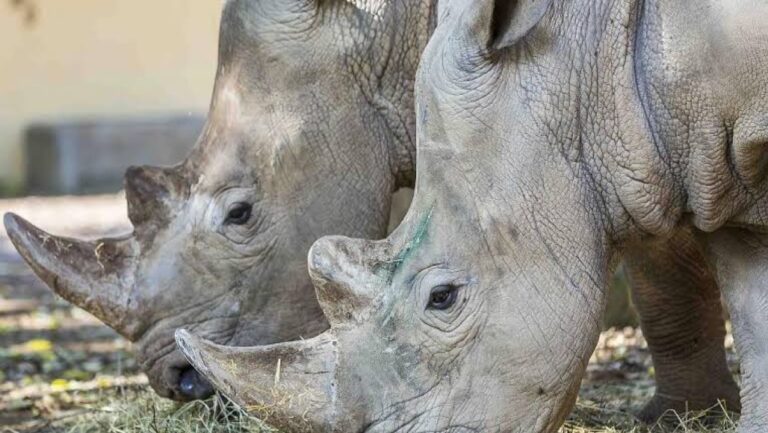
(291, 385)
(347, 275)
(151, 192)
(90, 275)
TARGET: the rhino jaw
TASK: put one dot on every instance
(291, 386)
(87, 274)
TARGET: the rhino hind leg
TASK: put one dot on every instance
(741, 258)
(678, 300)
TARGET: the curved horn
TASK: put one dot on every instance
(291, 386)
(90, 275)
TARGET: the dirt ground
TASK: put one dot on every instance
(63, 371)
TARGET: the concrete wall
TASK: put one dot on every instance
(91, 59)
(92, 157)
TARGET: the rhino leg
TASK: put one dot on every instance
(741, 259)
(678, 300)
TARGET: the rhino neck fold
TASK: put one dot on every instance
(394, 37)
(605, 125)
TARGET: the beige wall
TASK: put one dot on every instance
(84, 58)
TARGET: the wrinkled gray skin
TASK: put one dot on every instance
(310, 123)
(553, 136)
(197, 281)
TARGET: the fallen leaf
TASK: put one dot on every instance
(60, 385)
(38, 346)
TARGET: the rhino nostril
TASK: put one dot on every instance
(193, 386)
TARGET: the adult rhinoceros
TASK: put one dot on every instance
(310, 129)
(552, 136)
(309, 132)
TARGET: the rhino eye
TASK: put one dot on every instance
(239, 214)
(442, 297)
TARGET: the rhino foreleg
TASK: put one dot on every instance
(741, 260)
(677, 297)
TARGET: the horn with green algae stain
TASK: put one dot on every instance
(390, 269)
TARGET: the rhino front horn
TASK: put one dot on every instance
(291, 385)
(87, 274)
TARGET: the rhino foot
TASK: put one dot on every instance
(661, 409)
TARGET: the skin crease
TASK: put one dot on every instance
(548, 143)
(241, 285)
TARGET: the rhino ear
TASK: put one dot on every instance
(503, 23)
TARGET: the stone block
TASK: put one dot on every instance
(91, 156)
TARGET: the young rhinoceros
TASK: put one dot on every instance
(309, 132)
(551, 136)
(202, 258)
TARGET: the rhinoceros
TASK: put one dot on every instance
(309, 132)
(553, 136)
(313, 132)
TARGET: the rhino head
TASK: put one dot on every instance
(480, 312)
(307, 135)
(432, 330)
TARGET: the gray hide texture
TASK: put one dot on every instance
(553, 137)
(310, 131)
